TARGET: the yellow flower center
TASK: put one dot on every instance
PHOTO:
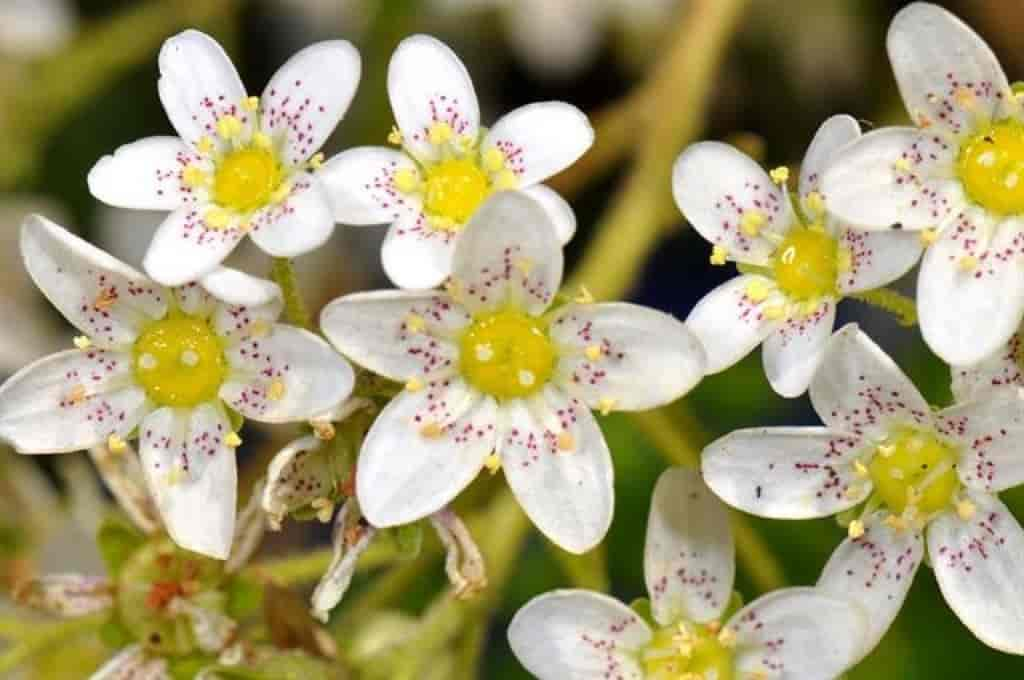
(687, 651)
(246, 179)
(991, 167)
(914, 468)
(455, 188)
(506, 354)
(807, 264)
(179, 362)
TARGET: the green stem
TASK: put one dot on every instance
(894, 302)
(45, 637)
(588, 571)
(295, 310)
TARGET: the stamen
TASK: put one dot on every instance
(606, 404)
(584, 297)
(432, 430)
(856, 529)
(406, 180)
(232, 440)
(719, 255)
(395, 136)
(439, 133)
(566, 442)
(593, 352)
(929, 236)
(115, 444)
(758, 291)
(752, 221)
(82, 342)
(276, 391)
(780, 175)
(251, 103)
(492, 463)
(229, 127)
(414, 384)
(965, 509)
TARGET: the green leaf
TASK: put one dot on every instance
(117, 539)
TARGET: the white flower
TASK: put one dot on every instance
(489, 368)
(921, 475)
(1000, 372)
(164, 364)
(689, 566)
(31, 29)
(955, 176)
(448, 164)
(241, 165)
(801, 265)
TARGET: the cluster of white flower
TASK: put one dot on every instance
(486, 365)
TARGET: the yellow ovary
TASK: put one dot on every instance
(179, 362)
(454, 189)
(806, 264)
(914, 468)
(685, 651)
(246, 179)
(506, 354)
(991, 167)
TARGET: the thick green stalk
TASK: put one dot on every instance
(295, 309)
(896, 303)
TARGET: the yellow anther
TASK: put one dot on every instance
(593, 352)
(466, 143)
(105, 300)
(566, 442)
(896, 522)
(193, 176)
(83, 342)
(317, 160)
(432, 430)
(902, 164)
(856, 529)
(232, 440)
(844, 260)
(492, 463)
(281, 193)
(262, 140)
(774, 312)
(861, 469)
(965, 509)
(965, 98)
(758, 291)
(115, 444)
(229, 127)
(395, 136)
(406, 180)
(780, 175)
(439, 133)
(493, 159)
(414, 323)
(719, 255)
(414, 384)
(584, 297)
(928, 236)
(259, 328)
(276, 391)
(524, 265)
(217, 218)
(505, 180)
(605, 405)
(752, 221)
(323, 429)
(204, 145)
(251, 103)
(967, 263)
(727, 638)
(815, 203)
(324, 509)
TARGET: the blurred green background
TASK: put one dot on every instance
(76, 89)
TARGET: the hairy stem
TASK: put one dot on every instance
(894, 302)
(295, 309)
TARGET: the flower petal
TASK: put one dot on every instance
(893, 178)
(198, 84)
(876, 571)
(508, 253)
(729, 323)
(977, 564)
(299, 474)
(145, 175)
(989, 433)
(832, 135)
(423, 449)
(798, 633)
(415, 255)
(555, 40)
(540, 140)
(69, 401)
(463, 562)
(625, 357)
(428, 84)
(238, 288)
(689, 561)
(877, 258)
(792, 353)
(948, 76)
(193, 476)
(558, 465)
(715, 186)
(133, 663)
(970, 296)
(350, 538)
(397, 334)
(290, 374)
(103, 297)
(309, 94)
(998, 373)
(236, 323)
(786, 472)
(558, 209)
(301, 223)
(578, 635)
(68, 595)
(859, 390)
(360, 184)
(185, 249)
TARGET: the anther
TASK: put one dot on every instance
(605, 405)
(439, 133)
(492, 463)
(83, 342)
(229, 127)
(856, 529)
(406, 180)
(115, 444)
(493, 159)
(758, 291)
(584, 297)
(719, 255)
(780, 175)
(752, 221)
(276, 391)
(232, 440)
(593, 352)
(929, 236)
(414, 384)
(324, 508)
(251, 103)
(566, 442)
(965, 509)
(431, 430)
(395, 136)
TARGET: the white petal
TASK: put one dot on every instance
(729, 324)
(578, 635)
(416, 256)
(133, 663)
(508, 253)
(556, 39)
(299, 474)
(646, 357)
(198, 84)
(309, 94)
(69, 401)
(999, 372)
(193, 476)
(786, 472)
(242, 323)
(67, 595)
(859, 390)
(947, 75)
(185, 249)
(428, 84)
(559, 467)
(103, 297)
(195, 300)
(689, 561)
(875, 571)
(969, 313)
(423, 449)
(540, 140)
(977, 564)
(715, 186)
(289, 374)
(793, 352)
(238, 288)
(989, 432)
(877, 258)
(798, 634)
(834, 134)
(145, 175)
(360, 184)
(350, 539)
(373, 329)
(31, 29)
(558, 209)
(301, 223)
(893, 178)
